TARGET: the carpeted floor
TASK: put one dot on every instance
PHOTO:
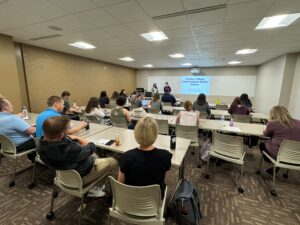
(221, 202)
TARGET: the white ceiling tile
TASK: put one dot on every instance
(205, 18)
(242, 25)
(74, 5)
(128, 11)
(73, 22)
(107, 2)
(161, 7)
(95, 34)
(98, 17)
(18, 34)
(41, 8)
(248, 10)
(145, 26)
(119, 30)
(230, 2)
(208, 29)
(172, 22)
(13, 17)
(196, 4)
(176, 33)
(284, 7)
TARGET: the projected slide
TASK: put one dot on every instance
(195, 85)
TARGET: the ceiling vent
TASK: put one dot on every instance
(45, 37)
(187, 12)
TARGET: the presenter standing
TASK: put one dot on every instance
(154, 89)
(167, 88)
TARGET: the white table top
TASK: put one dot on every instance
(259, 116)
(128, 142)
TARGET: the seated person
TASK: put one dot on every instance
(238, 108)
(103, 99)
(63, 152)
(246, 101)
(146, 164)
(123, 93)
(156, 102)
(136, 101)
(167, 97)
(68, 110)
(93, 109)
(188, 117)
(55, 107)
(201, 104)
(119, 111)
(113, 98)
(16, 128)
(280, 127)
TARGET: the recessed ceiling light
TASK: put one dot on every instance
(234, 62)
(155, 36)
(277, 21)
(82, 45)
(177, 55)
(148, 65)
(246, 51)
(127, 59)
(186, 64)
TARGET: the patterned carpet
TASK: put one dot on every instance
(221, 202)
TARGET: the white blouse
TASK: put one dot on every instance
(188, 118)
(96, 112)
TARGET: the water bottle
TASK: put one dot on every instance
(24, 111)
(173, 141)
(117, 139)
(231, 123)
(88, 125)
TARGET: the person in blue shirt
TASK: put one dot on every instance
(167, 97)
(15, 128)
(55, 107)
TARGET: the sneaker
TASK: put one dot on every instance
(96, 194)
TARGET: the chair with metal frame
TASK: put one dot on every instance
(221, 107)
(241, 118)
(9, 150)
(137, 204)
(70, 182)
(153, 110)
(163, 126)
(288, 157)
(228, 148)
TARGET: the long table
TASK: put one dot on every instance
(128, 142)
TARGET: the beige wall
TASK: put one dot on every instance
(10, 84)
(50, 72)
(294, 106)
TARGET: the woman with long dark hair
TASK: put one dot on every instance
(103, 99)
(201, 104)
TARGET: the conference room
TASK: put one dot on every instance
(145, 66)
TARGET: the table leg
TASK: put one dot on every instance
(181, 171)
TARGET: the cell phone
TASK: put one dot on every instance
(110, 142)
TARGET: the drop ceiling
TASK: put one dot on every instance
(207, 39)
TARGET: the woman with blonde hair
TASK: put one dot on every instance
(188, 117)
(146, 164)
(280, 127)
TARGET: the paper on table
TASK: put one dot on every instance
(234, 129)
(103, 141)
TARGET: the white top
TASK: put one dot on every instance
(96, 112)
(188, 118)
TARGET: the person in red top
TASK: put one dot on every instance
(238, 108)
(281, 127)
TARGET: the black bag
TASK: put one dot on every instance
(185, 205)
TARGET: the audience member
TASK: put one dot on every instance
(65, 95)
(136, 101)
(280, 127)
(16, 128)
(113, 98)
(246, 101)
(238, 108)
(167, 97)
(63, 152)
(55, 107)
(93, 109)
(123, 94)
(167, 88)
(156, 102)
(146, 164)
(201, 104)
(103, 99)
(154, 89)
(119, 111)
(188, 117)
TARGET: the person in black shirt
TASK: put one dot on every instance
(167, 97)
(63, 152)
(103, 99)
(146, 164)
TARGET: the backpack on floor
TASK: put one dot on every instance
(185, 206)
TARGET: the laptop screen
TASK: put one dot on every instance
(144, 102)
